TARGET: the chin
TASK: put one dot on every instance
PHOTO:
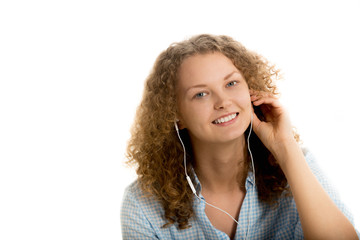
(232, 136)
(226, 135)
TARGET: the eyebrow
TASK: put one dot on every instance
(225, 78)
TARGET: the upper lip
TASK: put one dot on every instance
(228, 114)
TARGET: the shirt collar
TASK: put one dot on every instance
(249, 180)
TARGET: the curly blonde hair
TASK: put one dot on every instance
(154, 147)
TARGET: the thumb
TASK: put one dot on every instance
(256, 123)
(260, 129)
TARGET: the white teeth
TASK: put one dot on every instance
(225, 119)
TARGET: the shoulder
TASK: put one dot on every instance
(326, 183)
(130, 202)
(315, 168)
(134, 197)
(319, 174)
(310, 158)
(141, 215)
(133, 190)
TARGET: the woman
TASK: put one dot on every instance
(248, 176)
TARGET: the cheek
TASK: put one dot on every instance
(244, 99)
(195, 114)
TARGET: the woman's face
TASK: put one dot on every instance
(213, 99)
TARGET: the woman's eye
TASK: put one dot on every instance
(230, 84)
(200, 95)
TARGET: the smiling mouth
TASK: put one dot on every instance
(225, 119)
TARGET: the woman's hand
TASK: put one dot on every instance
(320, 217)
(276, 130)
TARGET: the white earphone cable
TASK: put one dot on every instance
(253, 167)
(192, 186)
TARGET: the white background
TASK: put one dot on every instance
(72, 74)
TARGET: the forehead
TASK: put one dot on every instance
(204, 68)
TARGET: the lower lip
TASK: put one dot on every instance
(227, 123)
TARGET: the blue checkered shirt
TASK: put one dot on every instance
(143, 217)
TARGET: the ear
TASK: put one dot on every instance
(180, 124)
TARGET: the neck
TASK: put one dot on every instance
(221, 167)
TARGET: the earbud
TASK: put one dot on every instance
(176, 125)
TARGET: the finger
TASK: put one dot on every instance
(254, 97)
(256, 125)
(268, 100)
(256, 121)
(254, 93)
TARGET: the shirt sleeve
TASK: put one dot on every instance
(134, 224)
(328, 187)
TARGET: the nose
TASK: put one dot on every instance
(222, 101)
